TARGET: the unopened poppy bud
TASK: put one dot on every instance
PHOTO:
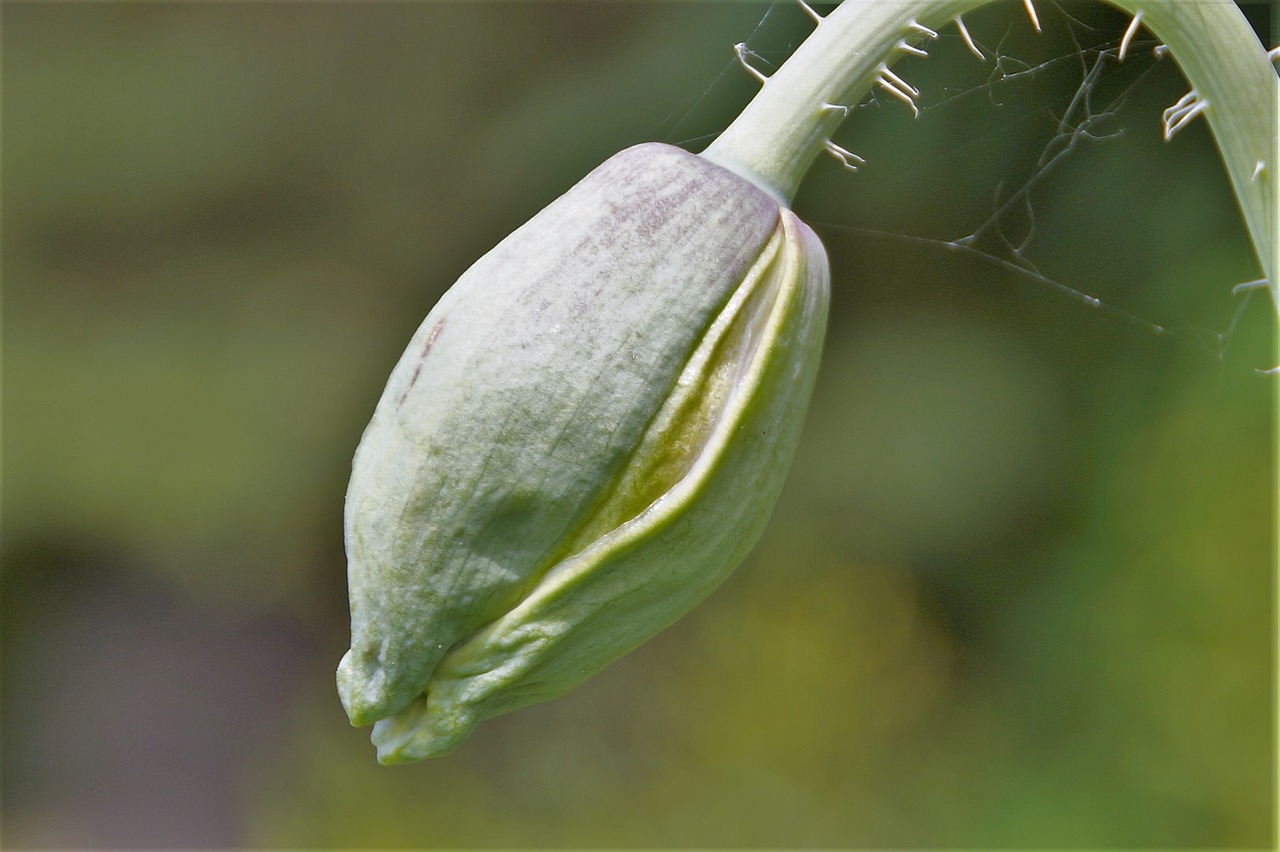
(584, 437)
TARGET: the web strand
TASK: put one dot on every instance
(1007, 236)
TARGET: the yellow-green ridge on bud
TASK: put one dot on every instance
(583, 438)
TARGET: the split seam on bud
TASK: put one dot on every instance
(654, 435)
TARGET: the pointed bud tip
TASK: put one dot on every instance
(363, 690)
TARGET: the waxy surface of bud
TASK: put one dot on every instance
(584, 437)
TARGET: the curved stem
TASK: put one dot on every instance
(776, 138)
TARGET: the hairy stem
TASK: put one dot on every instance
(775, 140)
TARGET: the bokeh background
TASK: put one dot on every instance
(1018, 591)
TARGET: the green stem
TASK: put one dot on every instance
(775, 140)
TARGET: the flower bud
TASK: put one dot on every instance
(584, 437)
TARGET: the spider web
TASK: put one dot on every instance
(1007, 235)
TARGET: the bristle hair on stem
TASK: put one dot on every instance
(742, 51)
(968, 39)
(1128, 36)
(810, 11)
(1031, 13)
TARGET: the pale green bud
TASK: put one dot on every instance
(582, 440)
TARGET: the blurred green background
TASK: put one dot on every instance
(1018, 591)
